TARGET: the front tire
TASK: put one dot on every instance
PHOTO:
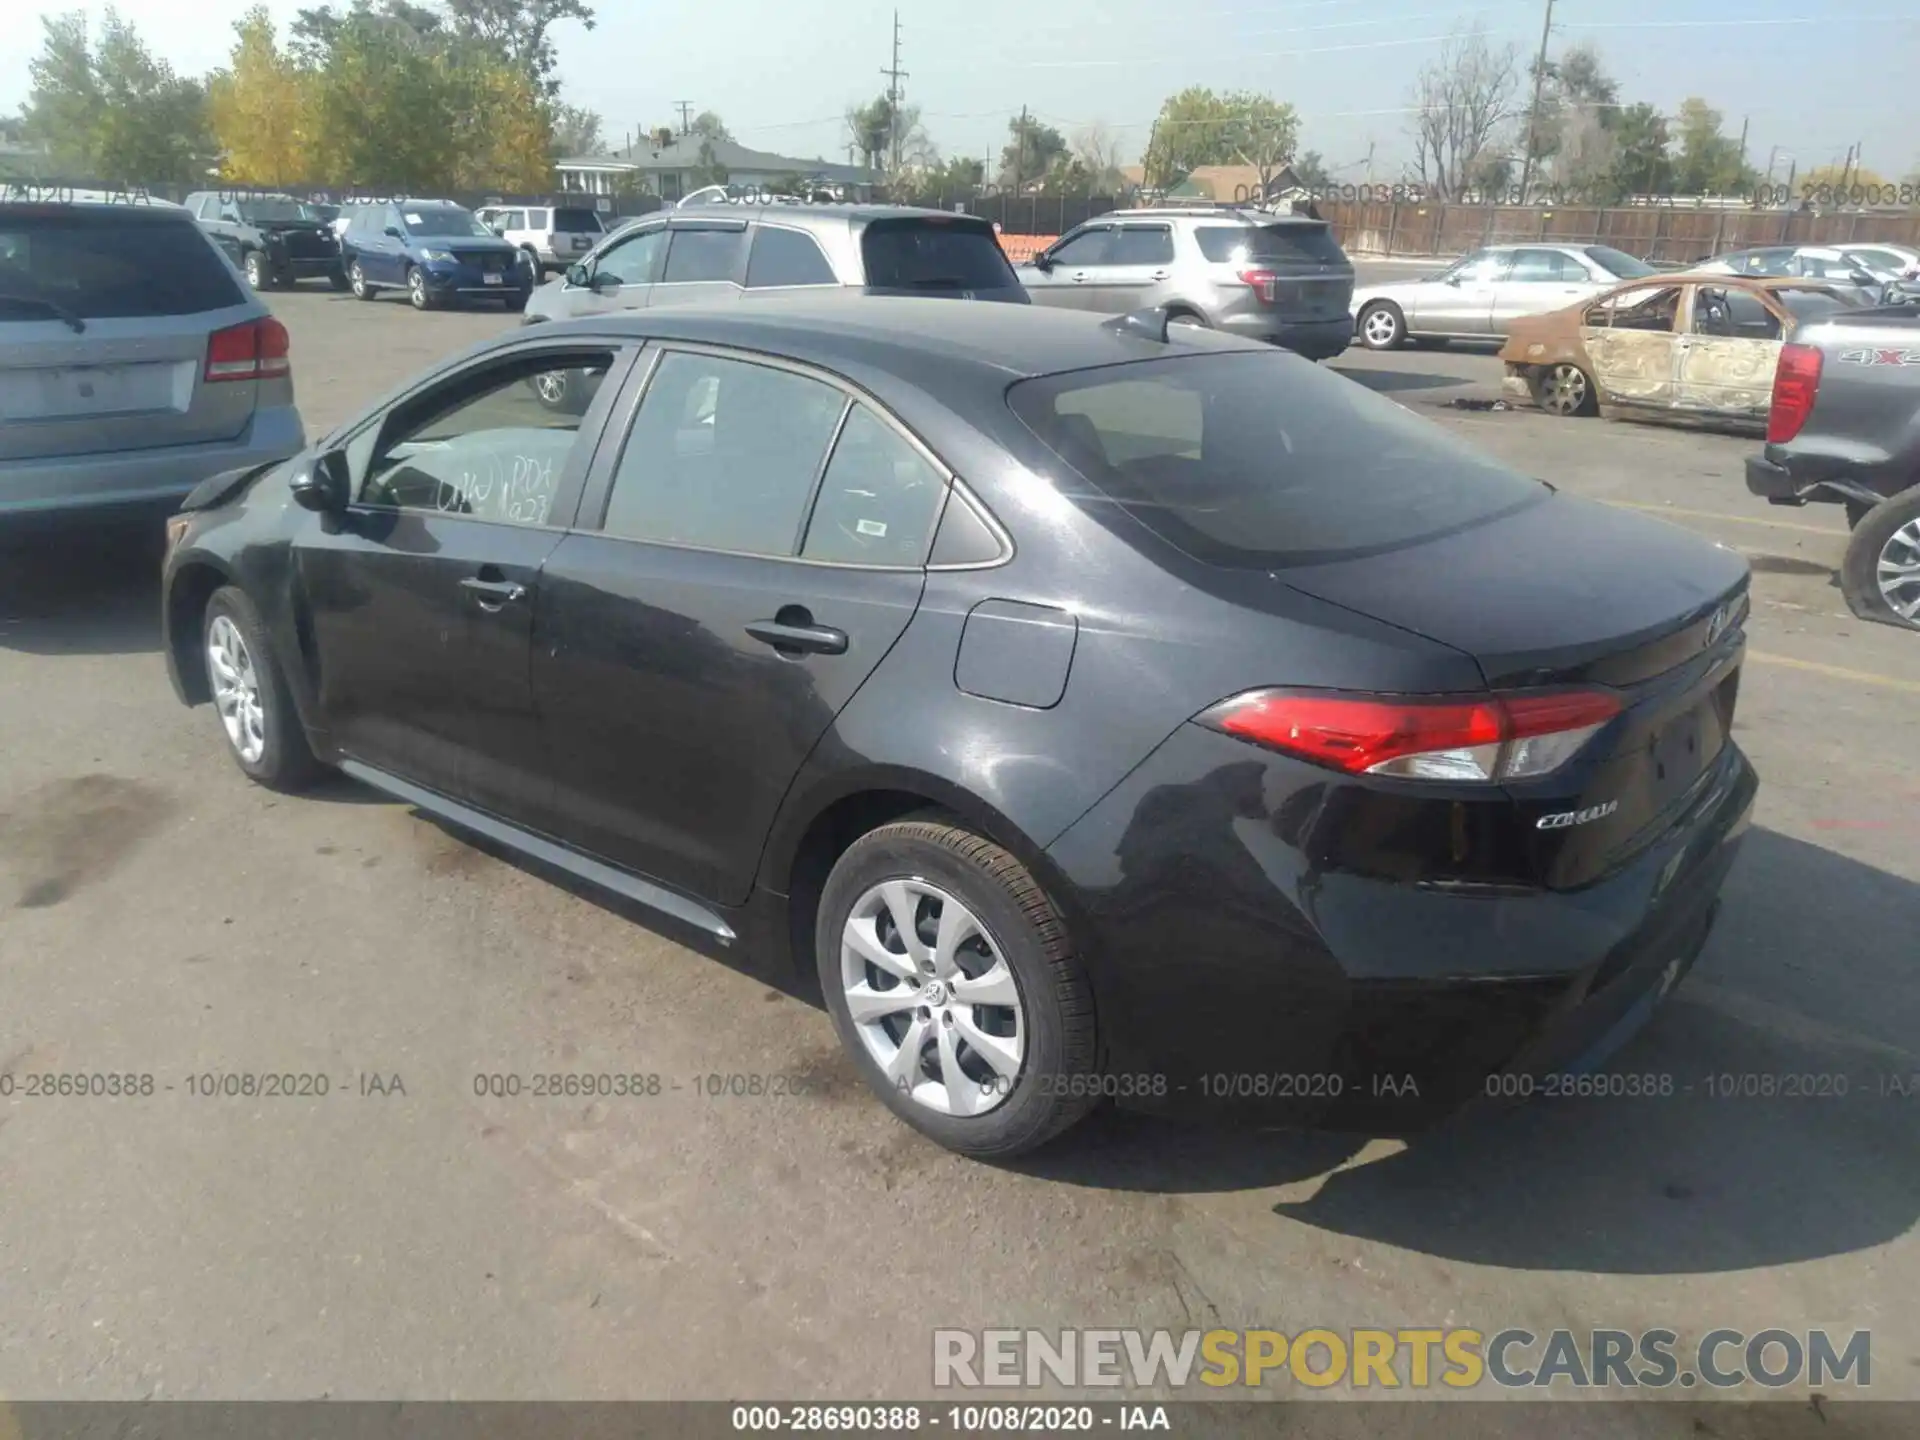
(255, 266)
(1382, 327)
(1565, 390)
(953, 983)
(1880, 574)
(418, 295)
(357, 282)
(256, 711)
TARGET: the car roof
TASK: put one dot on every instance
(913, 337)
(1226, 214)
(145, 206)
(857, 212)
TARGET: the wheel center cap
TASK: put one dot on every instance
(935, 993)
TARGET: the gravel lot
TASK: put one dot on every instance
(158, 914)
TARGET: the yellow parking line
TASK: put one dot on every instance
(1838, 672)
(1717, 515)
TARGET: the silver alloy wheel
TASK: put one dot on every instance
(417, 289)
(1380, 328)
(236, 689)
(932, 998)
(1183, 318)
(551, 386)
(256, 270)
(1898, 571)
(1565, 390)
(357, 278)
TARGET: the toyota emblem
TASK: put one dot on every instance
(1716, 627)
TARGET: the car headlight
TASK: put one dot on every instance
(437, 257)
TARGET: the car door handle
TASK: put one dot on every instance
(803, 639)
(493, 595)
(1079, 275)
(1158, 274)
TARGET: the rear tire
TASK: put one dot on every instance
(1880, 574)
(1011, 943)
(263, 730)
(1188, 318)
(1381, 326)
(1565, 390)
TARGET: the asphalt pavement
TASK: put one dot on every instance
(407, 1234)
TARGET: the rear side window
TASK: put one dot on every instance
(1298, 243)
(934, 255)
(786, 257)
(100, 266)
(703, 255)
(1255, 461)
(1618, 262)
(576, 219)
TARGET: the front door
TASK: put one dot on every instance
(701, 629)
(421, 597)
(1538, 281)
(623, 274)
(1460, 300)
(1631, 338)
(1071, 264)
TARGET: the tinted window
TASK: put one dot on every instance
(440, 220)
(633, 261)
(1298, 243)
(723, 455)
(488, 449)
(703, 255)
(106, 265)
(1546, 266)
(927, 254)
(273, 209)
(1618, 262)
(572, 219)
(1089, 247)
(878, 500)
(786, 257)
(1249, 460)
(1141, 245)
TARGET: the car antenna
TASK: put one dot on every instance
(1148, 324)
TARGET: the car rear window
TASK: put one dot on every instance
(1300, 242)
(577, 221)
(1256, 460)
(931, 255)
(108, 265)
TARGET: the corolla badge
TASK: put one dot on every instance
(1567, 818)
(1717, 626)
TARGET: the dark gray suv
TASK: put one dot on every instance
(1279, 278)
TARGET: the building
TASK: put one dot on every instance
(690, 161)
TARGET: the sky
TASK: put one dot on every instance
(1810, 77)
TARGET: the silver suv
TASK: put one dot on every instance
(134, 363)
(735, 252)
(1279, 278)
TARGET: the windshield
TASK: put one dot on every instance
(1255, 460)
(276, 209)
(1618, 262)
(443, 220)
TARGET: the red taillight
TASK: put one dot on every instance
(256, 350)
(1493, 737)
(1796, 380)
(1265, 283)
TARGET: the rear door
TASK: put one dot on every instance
(1632, 339)
(706, 260)
(741, 564)
(105, 319)
(1536, 282)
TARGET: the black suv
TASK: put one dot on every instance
(279, 240)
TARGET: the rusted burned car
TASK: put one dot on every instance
(1674, 346)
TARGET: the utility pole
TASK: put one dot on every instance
(894, 76)
(1743, 144)
(1369, 161)
(1020, 153)
(1533, 117)
(685, 107)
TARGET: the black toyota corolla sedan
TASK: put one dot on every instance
(1104, 710)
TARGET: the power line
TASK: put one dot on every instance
(1533, 115)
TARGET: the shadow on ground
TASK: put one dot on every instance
(96, 593)
(1387, 382)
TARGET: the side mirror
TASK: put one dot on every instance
(579, 277)
(1453, 280)
(394, 231)
(1042, 262)
(498, 229)
(324, 487)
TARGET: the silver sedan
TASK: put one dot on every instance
(1480, 294)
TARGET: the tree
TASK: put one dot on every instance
(709, 126)
(891, 140)
(112, 112)
(1033, 150)
(1193, 128)
(1311, 171)
(869, 130)
(1573, 128)
(518, 33)
(1262, 133)
(1465, 101)
(955, 179)
(1836, 179)
(576, 131)
(261, 108)
(1709, 162)
(1641, 164)
(388, 97)
(1097, 152)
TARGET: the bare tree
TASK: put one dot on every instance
(1466, 100)
(1098, 152)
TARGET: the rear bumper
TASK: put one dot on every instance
(76, 486)
(1315, 339)
(1240, 975)
(1780, 481)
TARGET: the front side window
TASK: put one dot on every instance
(482, 446)
(1089, 247)
(723, 455)
(634, 260)
(1651, 307)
